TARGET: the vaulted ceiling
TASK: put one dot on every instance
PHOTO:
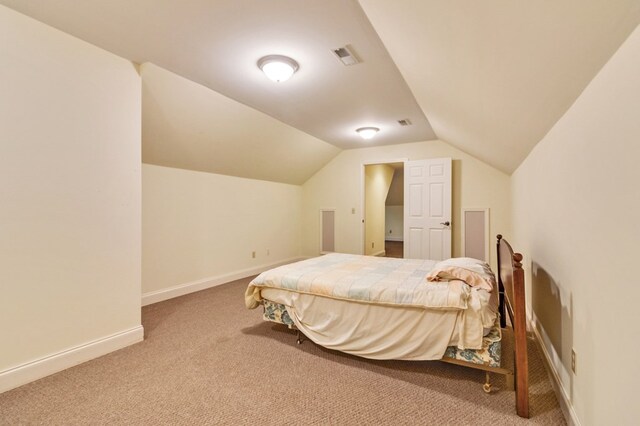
(489, 77)
(494, 76)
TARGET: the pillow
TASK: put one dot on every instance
(474, 272)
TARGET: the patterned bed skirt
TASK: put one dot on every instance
(489, 355)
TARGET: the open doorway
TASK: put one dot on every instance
(384, 209)
(394, 214)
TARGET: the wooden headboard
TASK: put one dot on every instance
(512, 303)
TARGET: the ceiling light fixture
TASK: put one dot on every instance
(367, 132)
(277, 67)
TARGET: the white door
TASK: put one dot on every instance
(427, 209)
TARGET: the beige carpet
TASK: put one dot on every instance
(208, 360)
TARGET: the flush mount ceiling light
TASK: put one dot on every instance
(367, 132)
(277, 67)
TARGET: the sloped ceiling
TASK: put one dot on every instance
(217, 44)
(490, 77)
(494, 76)
(189, 126)
(395, 197)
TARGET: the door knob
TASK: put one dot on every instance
(447, 223)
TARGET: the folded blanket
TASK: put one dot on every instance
(366, 279)
(474, 272)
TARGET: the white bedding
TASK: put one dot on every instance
(387, 332)
(376, 280)
(382, 328)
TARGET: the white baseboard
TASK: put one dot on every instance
(193, 286)
(28, 372)
(563, 398)
(387, 238)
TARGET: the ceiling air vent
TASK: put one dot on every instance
(346, 55)
(404, 122)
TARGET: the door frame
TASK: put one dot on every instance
(363, 192)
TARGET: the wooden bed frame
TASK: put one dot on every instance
(512, 303)
(512, 300)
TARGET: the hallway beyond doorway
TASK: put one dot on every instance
(394, 249)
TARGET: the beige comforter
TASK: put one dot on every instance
(368, 279)
(319, 295)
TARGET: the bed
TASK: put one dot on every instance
(405, 309)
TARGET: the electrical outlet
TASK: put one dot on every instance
(373, 244)
(253, 254)
(573, 361)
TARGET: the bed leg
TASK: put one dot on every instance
(510, 381)
(487, 383)
(300, 338)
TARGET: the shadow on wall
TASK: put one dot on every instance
(552, 315)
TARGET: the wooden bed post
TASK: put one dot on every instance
(501, 308)
(512, 303)
(520, 337)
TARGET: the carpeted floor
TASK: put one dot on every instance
(208, 360)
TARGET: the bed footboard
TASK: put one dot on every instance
(512, 303)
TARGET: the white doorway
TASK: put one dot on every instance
(394, 214)
(427, 213)
(377, 178)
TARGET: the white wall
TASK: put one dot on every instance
(339, 185)
(70, 196)
(394, 223)
(377, 178)
(576, 210)
(201, 228)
